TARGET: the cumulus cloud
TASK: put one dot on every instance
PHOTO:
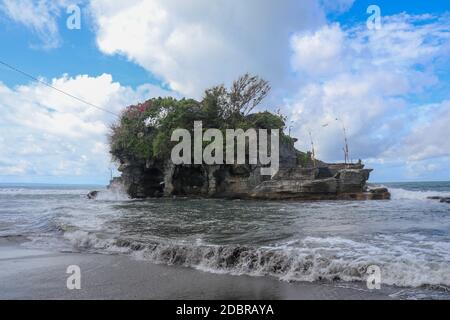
(319, 53)
(193, 45)
(370, 80)
(367, 79)
(39, 16)
(44, 133)
(429, 134)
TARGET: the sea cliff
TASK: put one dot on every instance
(294, 180)
(142, 143)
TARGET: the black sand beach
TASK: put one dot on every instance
(35, 274)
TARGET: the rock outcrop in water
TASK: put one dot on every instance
(92, 194)
(294, 180)
(441, 199)
(141, 143)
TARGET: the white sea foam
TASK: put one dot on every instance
(42, 192)
(404, 262)
(411, 248)
(329, 258)
(82, 240)
(403, 194)
(113, 194)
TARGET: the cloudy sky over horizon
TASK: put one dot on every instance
(389, 86)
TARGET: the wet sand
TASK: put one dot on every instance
(36, 274)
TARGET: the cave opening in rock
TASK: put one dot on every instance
(189, 180)
(152, 181)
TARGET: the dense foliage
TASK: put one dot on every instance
(143, 131)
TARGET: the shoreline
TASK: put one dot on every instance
(38, 274)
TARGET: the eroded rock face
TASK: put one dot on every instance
(298, 178)
(246, 182)
(142, 180)
(92, 194)
(348, 183)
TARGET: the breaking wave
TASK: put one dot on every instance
(403, 194)
(115, 194)
(408, 238)
(311, 259)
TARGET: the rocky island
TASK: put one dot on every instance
(141, 143)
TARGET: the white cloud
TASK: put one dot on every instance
(45, 133)
(429, 135)
(40, 16)
(193, 45)
(315, 58)
(368, 79)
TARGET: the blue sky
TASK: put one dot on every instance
(390, 86)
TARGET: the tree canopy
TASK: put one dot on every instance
(144, 130)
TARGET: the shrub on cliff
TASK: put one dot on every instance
(143, 131)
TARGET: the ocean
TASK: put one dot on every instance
(329, 242)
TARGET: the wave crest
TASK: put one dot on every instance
(403, 194)
(313, 263)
